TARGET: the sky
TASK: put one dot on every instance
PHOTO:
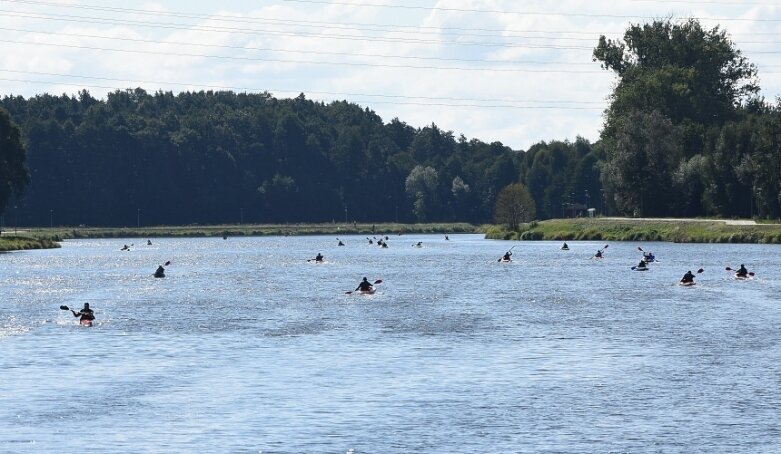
(509, 71)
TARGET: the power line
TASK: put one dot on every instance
(310, 62)
(362, 38)
(286, 22)
(526, 13)
(270, 49)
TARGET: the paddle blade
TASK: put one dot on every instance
(701, 270)
(65, 308)
(751, 273)
(378, 281)
(606, 246)
(638, 248)
(728, 269)
(348, 293)
(167, 263)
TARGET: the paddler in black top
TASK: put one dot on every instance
(364, 286)
(688, 277)
(742, 272)
(598, 254)
(160, 272)
(319, 257)
(642, 264)
(85, 313)
(506, 256)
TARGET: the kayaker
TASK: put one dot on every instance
(420, 244)
(564, 246)
(648, 256)
(319, 257)
(642, 264)
(160, 272)
(85, 313)
(598, 254)
(688, 277)
(447, 238)
(364, 286)
(742, 272)
(506, 256)
(340, 243)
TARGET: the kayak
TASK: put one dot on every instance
(565, 249)
(505, 261)
(85, 322)
(637, 268)
(686, 284)
(366, 292)
(159, 274)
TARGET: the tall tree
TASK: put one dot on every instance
(693, 77)
(14, 175)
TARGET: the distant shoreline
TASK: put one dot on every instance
(46, 238)
(645, 229)
(607, 229)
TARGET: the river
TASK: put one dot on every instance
(245, 346)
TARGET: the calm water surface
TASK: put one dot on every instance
(247, 347)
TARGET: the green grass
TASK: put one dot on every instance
(16, 242)
(688, 231)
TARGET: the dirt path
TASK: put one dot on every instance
(726, 221)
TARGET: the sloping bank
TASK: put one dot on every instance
(613, 229)
(23, 242)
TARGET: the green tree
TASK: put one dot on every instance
(514, 205)
(679, 69)
(640, 165)
(686, 80)
(14, 175)
(421, 185)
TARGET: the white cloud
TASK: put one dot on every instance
(275, 46)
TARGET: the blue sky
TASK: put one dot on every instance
(518, 72)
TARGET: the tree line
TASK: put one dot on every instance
(685, 134)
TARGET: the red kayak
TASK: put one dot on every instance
(85, 322)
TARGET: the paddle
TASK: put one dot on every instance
(750, 273)
(66, 308)
(378, 281)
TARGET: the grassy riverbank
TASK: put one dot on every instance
(48, 237)
(19, 242)
(611, 229)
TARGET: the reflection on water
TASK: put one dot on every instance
(245, 346)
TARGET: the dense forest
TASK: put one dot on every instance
(223, 157)
(685, 134)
